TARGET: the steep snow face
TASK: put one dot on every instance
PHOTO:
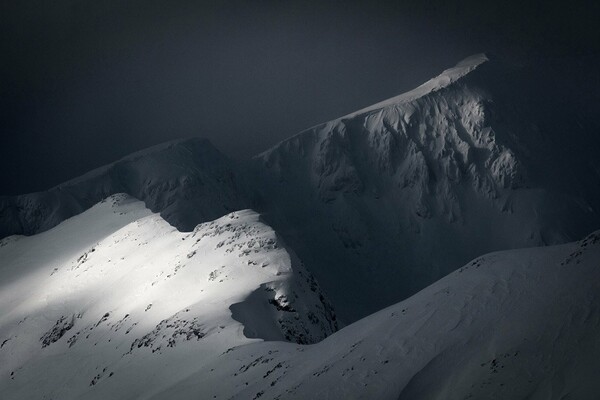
(187, 181)
(388, 199)
(148, 302)
(519, 324)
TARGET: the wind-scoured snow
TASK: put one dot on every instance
(115, 294)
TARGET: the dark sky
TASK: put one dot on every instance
(85, 82)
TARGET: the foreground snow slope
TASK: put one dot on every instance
(388, 199)
(519, 324)
(117, 297)
(115, 303)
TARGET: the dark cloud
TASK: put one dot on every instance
(83, 83)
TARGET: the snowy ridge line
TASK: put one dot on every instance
(132, 157)
(445, 79)
(187, 181)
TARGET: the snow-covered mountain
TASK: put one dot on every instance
(115, 303)
(383, 201)
(153, 277)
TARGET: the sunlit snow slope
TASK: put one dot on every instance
(116, 297)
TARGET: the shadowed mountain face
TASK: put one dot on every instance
(384, 201)
(397, 195)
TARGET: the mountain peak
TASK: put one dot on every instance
(441, 81)
(473, 61)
